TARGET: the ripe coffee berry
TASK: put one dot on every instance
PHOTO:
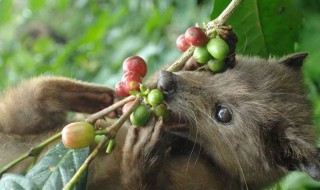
(181, 43)
(78, 135)
(135, 64)
(119, 89)
(196, 36)
(126, 107)
(131, 81)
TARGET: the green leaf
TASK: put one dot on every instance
(57, 167)
(264, 27)
(62, 4)
(17, 182)
(5, 11)
(310, 43)
(36, 5)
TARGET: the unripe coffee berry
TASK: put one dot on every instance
(218, 48)
(155, 97)
(161, 111)
(201, 55)
(140, 116)
(78, 135)
(216, 65)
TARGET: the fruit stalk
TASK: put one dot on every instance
(85, 164)
(211, 27)
(34, 151)
(179, 63)
(92, 118)
(223, 17)
(110, 133)
(176, 66)
(113, 129)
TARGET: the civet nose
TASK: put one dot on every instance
(165, 82)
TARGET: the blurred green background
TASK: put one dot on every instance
(88, 40)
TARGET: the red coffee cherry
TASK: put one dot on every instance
(119, 89)
(126, 107)
(131, 81)
(196, 36)
(181, 43)
(135, 64)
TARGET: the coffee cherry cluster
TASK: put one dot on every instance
(212, 51)
(152, 105)
(134, 68)
(194, 36)
(82, 134)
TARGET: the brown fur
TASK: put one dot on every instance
(271, 131)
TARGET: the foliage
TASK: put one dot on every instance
(17, 182)
(53, 171)
(88, 40)
(256, 28)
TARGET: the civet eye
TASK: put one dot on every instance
(223, 115)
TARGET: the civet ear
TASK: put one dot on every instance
(294, 60)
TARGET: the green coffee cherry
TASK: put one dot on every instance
(201, 55)
(98, 138)
(155, 97)
(216, 65)
(140, 116)
(78, 135)
(161, 111)
(218, 48)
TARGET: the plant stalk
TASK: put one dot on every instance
(223, 17)
(110, 133)
(34, 151)
(92, 118)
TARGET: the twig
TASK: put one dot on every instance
(34, 151)
(223, 17)
(113, 129)
(85, 164)
(13, 163)
(210, 28)
(92, 118)
(179, 63)
(111, 132)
